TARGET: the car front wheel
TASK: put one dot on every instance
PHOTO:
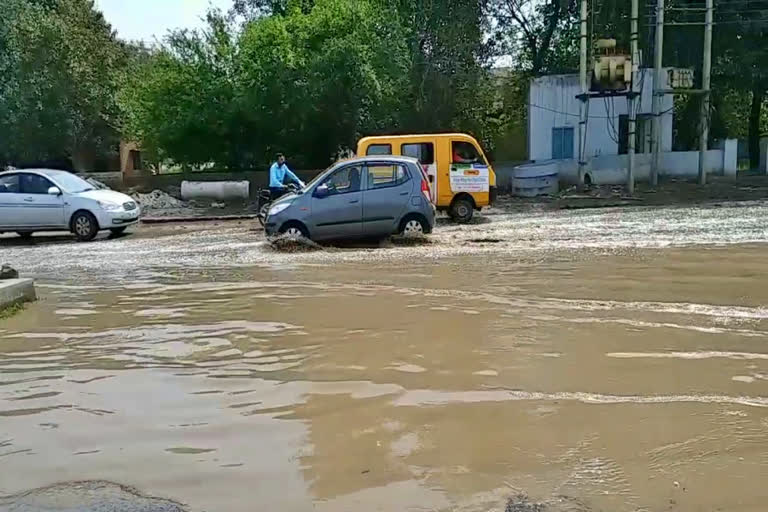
(85, 226)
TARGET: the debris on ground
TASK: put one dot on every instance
(285, 243)
(90, 496)
(521, 503)
(218, 205)
(8, 272)
(412, 240)
(157, 200)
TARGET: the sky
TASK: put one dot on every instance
(149, 19)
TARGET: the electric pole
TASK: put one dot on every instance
(658, 95)
(706, 75)
(631, 100)
(583, 106)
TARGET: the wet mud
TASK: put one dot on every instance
(553, 361)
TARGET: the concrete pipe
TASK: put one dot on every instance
(220, 190)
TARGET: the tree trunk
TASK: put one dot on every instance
(758, 97)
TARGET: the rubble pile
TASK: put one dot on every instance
(157, 200)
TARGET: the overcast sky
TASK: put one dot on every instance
(147, 19)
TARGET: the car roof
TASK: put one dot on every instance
(51, 173)
(416, 136)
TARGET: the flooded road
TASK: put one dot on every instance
(594, 360)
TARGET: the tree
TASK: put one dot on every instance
(741, 64)
(541, 34)
(61, 64)
(305, 83)
(180, 102)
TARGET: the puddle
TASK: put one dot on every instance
(575, 361)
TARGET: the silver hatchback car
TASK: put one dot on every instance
(369, 197)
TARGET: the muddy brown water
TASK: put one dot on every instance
(589, 361)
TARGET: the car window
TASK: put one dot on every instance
(35, 184)
(9, 184)
(424, 152)
(344, 181)
(465, 153)
(386, 175)
(379, 149)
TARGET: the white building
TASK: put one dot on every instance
(553, 133)
(553, 120)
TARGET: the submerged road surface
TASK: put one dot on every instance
(592, 360)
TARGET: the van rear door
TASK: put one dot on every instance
(424, 152)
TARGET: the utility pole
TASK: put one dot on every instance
(656, 136)
(706, 75)
(631, 100)
(583, 106)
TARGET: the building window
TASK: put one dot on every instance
(562, 143)
(135, 157)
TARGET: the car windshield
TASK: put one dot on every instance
(317, 178)
(71, 183)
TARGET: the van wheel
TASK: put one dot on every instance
(462, 210)
(85, 226)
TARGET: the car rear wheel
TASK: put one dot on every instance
(462, 210)
(26, 235)
(85, 226)
(413, 226)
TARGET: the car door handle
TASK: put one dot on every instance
(404, 193)
(353, 201)
(29, 199)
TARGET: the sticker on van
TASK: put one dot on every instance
(470, 178)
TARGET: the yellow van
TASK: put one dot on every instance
(461, 179)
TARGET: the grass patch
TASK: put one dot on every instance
(11, 310)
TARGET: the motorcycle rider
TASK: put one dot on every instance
(277, 175)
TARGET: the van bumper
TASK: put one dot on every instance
(493, 194)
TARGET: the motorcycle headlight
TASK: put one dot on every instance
(110, 207)
(278, 208)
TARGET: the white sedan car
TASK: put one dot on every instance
(47, 200)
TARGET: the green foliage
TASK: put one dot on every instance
(60, 65)
(311, 79)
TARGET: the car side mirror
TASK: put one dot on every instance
(54, 191)
(322, 191)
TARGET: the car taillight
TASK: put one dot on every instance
(425, 189)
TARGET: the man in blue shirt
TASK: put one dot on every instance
(277, 175)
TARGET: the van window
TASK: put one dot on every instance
(424, 152)
(465, 153)
(386, 175)
(9, 184)
(379, 149)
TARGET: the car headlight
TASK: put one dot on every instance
(278, 208)
(110, 207)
